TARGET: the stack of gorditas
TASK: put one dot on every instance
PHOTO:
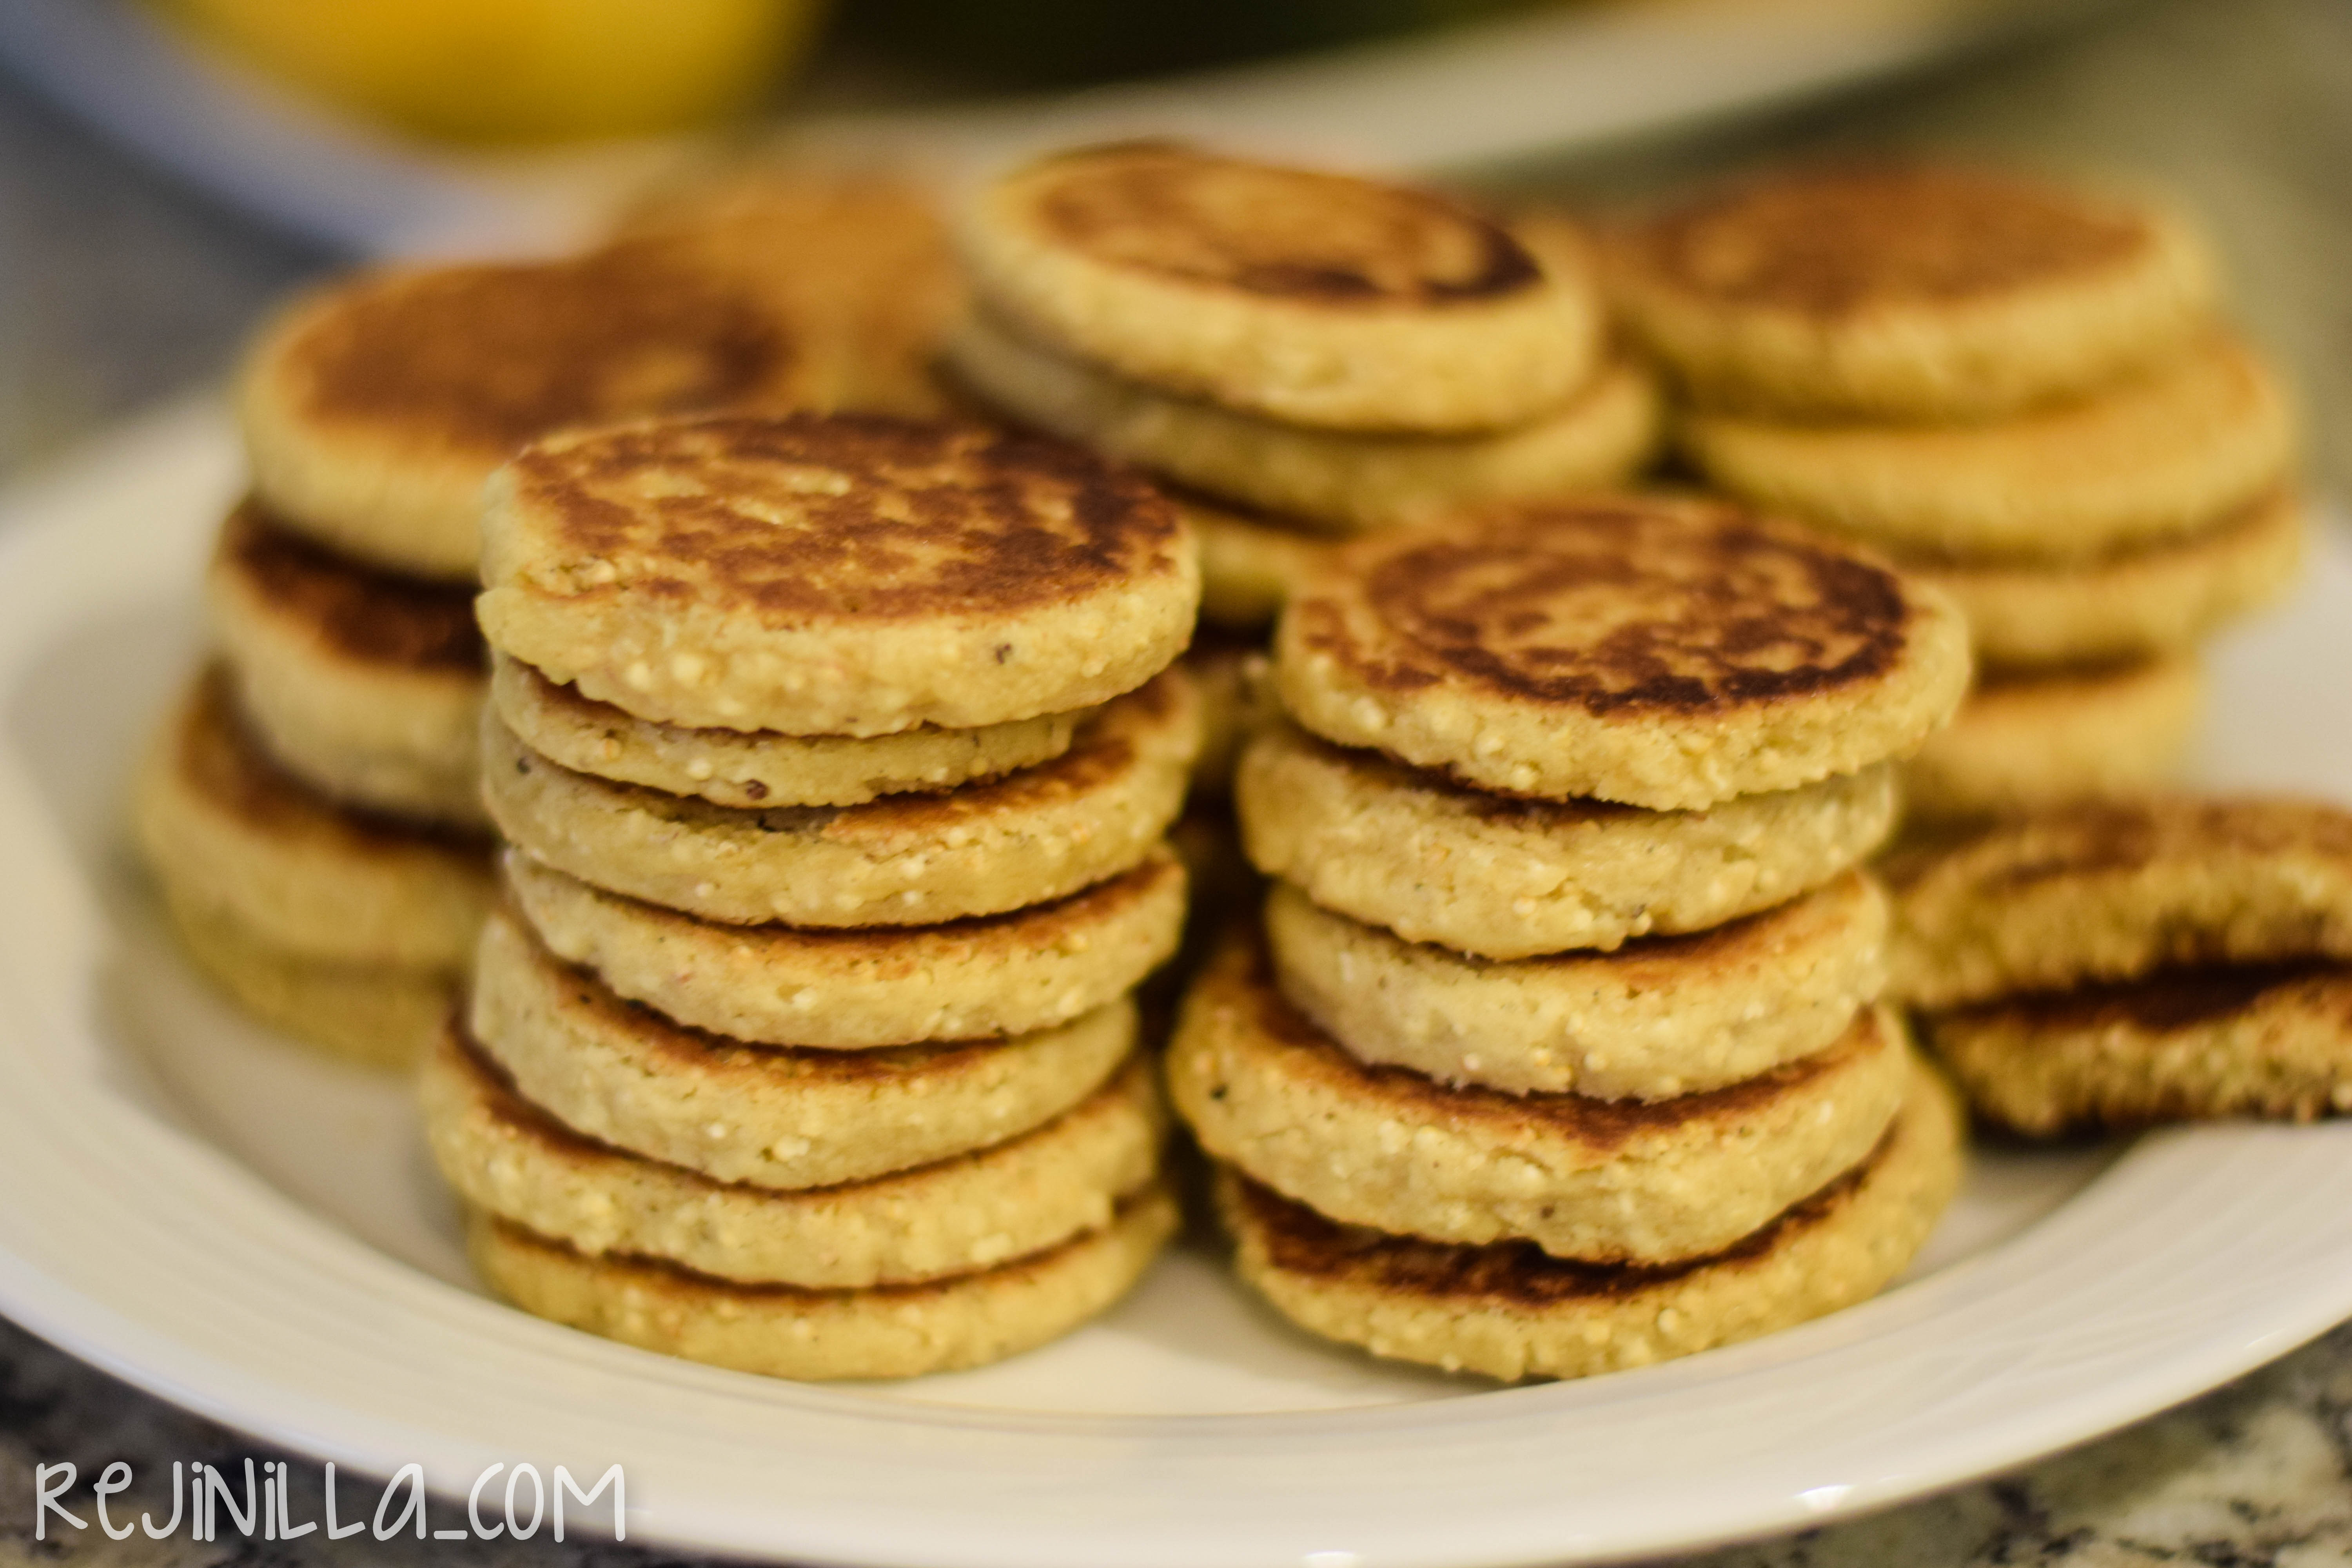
(1561, 1049)
(835, 757)
(2022, 392)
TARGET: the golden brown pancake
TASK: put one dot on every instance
(2271, 1040)
(855, 989)
(1643, 1181)
(1660, 1018)
(367, 683)
(229, 830)
(1504, 878)
(620, 1073)
(2117, 889)
(1908, 291)
(373, 409)
(2024, 741)
(1509, 1311)
(760, 768)
(505, 1155)
(353, 610)
(1654, 651)
(850, 574)
(1316, 297)
(1095, 811)
(781, 1330)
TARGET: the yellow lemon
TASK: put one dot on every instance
(517, 70)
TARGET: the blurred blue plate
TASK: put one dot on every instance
(1548, 80)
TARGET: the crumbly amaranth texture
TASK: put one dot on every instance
(1509, 1311)
(1230, 673)
(2149, 461)
(1908, 291)
(905, 859)
(365, 683)
(2117, 889)
(1598, 438)
(1368, 838)
(506, 1158)
(892, 1331)
(2023, 742)
(1251, 565)
(2177, 1046)
(857, 261)
(855, 990)
(1654, 650)
(832, 575)
(1659, 1018)
(2133, 604)
(231, 834)
(374, 407)
(1606, 1181)
(760, 768)
(1316, 299)
(766, 1116)
(378, 1016)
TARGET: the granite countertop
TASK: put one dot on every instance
(117, 288)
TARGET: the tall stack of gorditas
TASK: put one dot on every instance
(835, 757)
(1299, 356)
(2024, 393)
(313, 812)
(1561, 1049)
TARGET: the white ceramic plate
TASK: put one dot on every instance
(216, 1217)
(1565, 76)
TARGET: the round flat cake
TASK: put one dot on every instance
(1649, 650)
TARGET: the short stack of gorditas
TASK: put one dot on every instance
(2022, 392)
(1561, 1049)
(835, 757)
(1296, 354)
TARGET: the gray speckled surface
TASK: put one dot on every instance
(117, 288)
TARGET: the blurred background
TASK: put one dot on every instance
(169, 167)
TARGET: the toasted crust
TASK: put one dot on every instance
(367, 683)
(1908, 291)
(1598, 438)
(1514, 879)
(2136, 464)
(1032, 969)
(759, 768)
(832, 575)
(904, 1331)
(1654, 651)
(506, 1157)
(378, 1015)
(375, 408)
(1610, 1181)
(2177, 1045)
(1659, 1018)
(2134, 605)
(1510, 1311)
(623, 1075)
(905, 859)
(2115, 890)
(2022, 743)
(1312, 298)
(232, 835)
